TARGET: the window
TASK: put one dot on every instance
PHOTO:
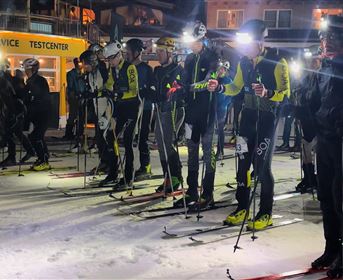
(229, 19)
(270, 17)
(317, 14)
(278, 18)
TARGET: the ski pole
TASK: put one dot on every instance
(203, 164)
(158, 114)
(21, 149)
(174, 118)
(267, 153)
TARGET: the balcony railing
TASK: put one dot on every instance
(41, 24)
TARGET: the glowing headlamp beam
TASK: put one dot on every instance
(243, 38)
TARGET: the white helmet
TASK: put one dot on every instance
(226, 64)
(30, 63)
(112, 49)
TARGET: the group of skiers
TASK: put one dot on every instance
(122, 94)
(21, 104)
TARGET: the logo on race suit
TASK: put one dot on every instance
(263, 146)
(132, 75)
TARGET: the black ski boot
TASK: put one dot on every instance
(143, 173)
(26, 157)
(121, 185)
(191, 200)
(205, 202)
(8, 161)
(325, 260)
(69, 135)
(109, 180)
(336, 268)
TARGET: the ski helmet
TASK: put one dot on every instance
(89, 58)
(135, 45)
(166, 43)
(194, 31)
(252, 30)
(95, 48)
(31, 63)
(4, 64)
(112, 49)
(226, 65)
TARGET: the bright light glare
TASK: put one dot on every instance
(124, 45)
(243, 38)
(296, 67)
(308, 54)
(324, 24)
(187, 38)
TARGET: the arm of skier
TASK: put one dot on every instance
(230, 89)
(282, 82)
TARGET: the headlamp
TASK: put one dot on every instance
(243, 38)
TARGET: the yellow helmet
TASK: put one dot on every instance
(167, 43)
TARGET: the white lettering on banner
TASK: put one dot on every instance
(263, 146)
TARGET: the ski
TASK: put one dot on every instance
(232, 235)
(146, 197)
(290, 274)
(180, 211)
(88, 191)
(29, 171)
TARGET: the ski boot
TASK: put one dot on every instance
(325, 260)
(99, 170)
(236, 217)
(143, 173)
(303, 187)
(40, 165)
(26, 157)
(336, 268)
(109, 180)
(283, 147)
(205, 202)
(191, 200)
(121, 185)
(93, 149)
(260, 222)
(8, 161)
(167, 186)
(76, 148)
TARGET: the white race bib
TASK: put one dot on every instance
(241, 145)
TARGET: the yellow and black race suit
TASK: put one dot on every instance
(257, 126)
(123, 81)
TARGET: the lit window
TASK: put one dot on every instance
(317, 14)
(230, 19)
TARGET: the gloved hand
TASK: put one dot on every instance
(173, 89)
(213, 85)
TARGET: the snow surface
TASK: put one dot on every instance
(45, 234)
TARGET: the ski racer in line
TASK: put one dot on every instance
(265, 79)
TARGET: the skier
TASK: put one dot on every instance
(327, 88)
(169, 98)
(304, 113)
(39, 108)
(265, 79)
(223, 104)
(92, 86)
(134, 48)
(123, 82)
(73, 90)
(19, 111)
(200, 116)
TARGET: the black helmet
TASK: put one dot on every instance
(256, 29)
(135, 45)
(89, 58)
(331, 24)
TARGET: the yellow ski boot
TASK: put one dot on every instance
(262, 221)
(235, 218)
(41, 166)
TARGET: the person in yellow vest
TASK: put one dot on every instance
(123, 83)
(264, 77)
